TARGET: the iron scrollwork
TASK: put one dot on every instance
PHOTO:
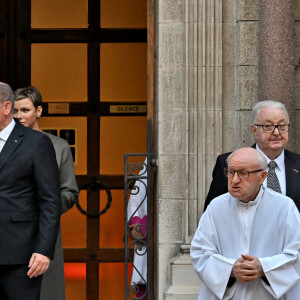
(137, 227)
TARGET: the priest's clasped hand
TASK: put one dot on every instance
(247, 268)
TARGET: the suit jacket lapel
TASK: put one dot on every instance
(292, 173)
(13, 141)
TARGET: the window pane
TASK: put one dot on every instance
(59, 14)
(111, 280)
(123, 72)
(75, 276)
(123, 13)
(112, 223)
(73, 225)
(59, 71)
(74, 130)
(119, 135)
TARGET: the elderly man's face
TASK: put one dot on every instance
(245, 189)
(271, 143)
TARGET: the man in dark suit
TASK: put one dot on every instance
(29, 204)
(270, 126)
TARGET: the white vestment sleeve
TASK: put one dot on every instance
(213, 269)
(283, 270)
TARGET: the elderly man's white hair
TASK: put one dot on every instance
(267, 103)
(260, 158)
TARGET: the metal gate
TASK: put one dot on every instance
(137, 225)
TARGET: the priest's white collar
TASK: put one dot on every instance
(255, 201)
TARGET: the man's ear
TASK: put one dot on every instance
(7, 108)
(263, 175)
(253, 129)
(39, 111)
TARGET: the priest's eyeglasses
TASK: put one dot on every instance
(271, 128)
(243, 174)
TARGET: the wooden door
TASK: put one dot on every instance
(89, 60)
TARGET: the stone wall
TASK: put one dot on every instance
(207, 83)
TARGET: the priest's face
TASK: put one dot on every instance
(245, 189)
(271, 143)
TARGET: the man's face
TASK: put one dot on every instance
(245, 190)
(5, 113)
(271, 143)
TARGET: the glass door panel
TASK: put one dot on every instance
(119, 135)
(73, 225)
(111, 281)
(112, 224)
(123, 14)
(123, 72)
(59, 71)
(74, 130)
(59, 14)
(75, 276)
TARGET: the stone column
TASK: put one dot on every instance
(276, 53)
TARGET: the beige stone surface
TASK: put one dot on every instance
(297, 132)
(171, 90)
(248, 43)
(245, 138)
(172, 132)
(171, 11)
(297, 87)
(171, 45)
(229, 45)
(248, 86)
(230, 130)
(172, 176)
(171, 219)
(165, 253)
(297, 42)
(229, 8)
(248, 9)
(297, 10)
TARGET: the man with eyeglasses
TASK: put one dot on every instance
(270, 128)
(248, 240)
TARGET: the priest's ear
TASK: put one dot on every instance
(263, 176)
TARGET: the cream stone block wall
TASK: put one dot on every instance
(207, 84)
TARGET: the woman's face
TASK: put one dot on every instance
(26, 113)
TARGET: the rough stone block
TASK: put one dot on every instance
(297, 42)
(297, 10)
(171, 89)
(171, 221)
(248, 86)
(297, 87)
(172, 176)
(172, 132)
(166, 253)
(229, 88)
(248, 43)
(171, 11)
(248, 9)
(230, 130)
(245, 135)
(297, 132)
(229, 45)
(171, 50)
(229, 11)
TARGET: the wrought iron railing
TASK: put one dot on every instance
(137, 226)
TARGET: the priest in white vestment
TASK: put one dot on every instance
(247, 243)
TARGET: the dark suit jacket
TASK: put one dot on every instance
(29, 196)
(292, 172)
